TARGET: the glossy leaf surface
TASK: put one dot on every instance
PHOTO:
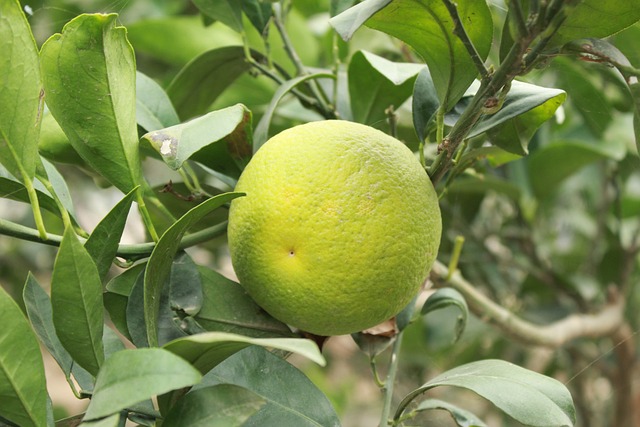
(376, 84)
(103, 242)
(23, 391)
(594, 18)
(513, 389)
(20, 93)
(292, 399)
(154, 109)
(229, 127)
(228, 308)
(222, 405)
(428, 28)
(207, 350)
(204, 78)
(76, 299)
(446, 297)
(132, 376)
(159, 266)
(101, 94)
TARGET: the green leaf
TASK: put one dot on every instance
(11, 188)
(76, 299)
(634, 88)
(159, 266)
(103, 242)
(425, 103)
(185, 294)
(204, 78)
(462, 417)
(585, 93)
(229, 127)
(292, 399)
(446, 297)
(601, 51)
(428, 28)
(376, 83)
(95, 104)
(23, 391)
(228, 308)
(229, 12)
(112, 421)
(40, 315)
(525, 108)
(20, 93)
(115, 299)
(48, 171)
(530, 398)
(207, 350)
(259, 13)
(132, 376)
(261, 133)
(597, 19)
(626, 41)
(154, 109)
(550, 165)
(180, 295)
(339, 6)
(222, 405)
(111, 342)
(480, 184)
(176, 40)
(349, 20)
(54, 144)
(514, 134)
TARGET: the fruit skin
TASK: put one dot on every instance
(338, 229)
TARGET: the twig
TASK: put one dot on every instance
(392, 117)
(318, 93)
(131, 251)
(554, 335)
(387, 390)
(518, 16)
(625, 351)
(458, 30)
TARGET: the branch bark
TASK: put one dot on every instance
(600, 324)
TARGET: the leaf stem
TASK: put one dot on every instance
(64, 214)
(146, 217)
(326, 110)
(35, 207)
(268, 72)
(461, 33)
(455, 256)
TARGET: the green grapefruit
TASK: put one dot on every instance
(338, 229)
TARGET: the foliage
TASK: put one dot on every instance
(525, 114)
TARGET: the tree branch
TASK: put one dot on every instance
(132, 251)
(603, 323)
(458, 30)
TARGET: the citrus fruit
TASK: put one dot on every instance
(338, 229)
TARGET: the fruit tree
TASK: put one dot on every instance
(319, 213)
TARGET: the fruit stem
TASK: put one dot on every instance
(387, 389)
(455, 256)
(374, 369)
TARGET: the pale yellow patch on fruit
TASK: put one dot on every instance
(338, 229)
